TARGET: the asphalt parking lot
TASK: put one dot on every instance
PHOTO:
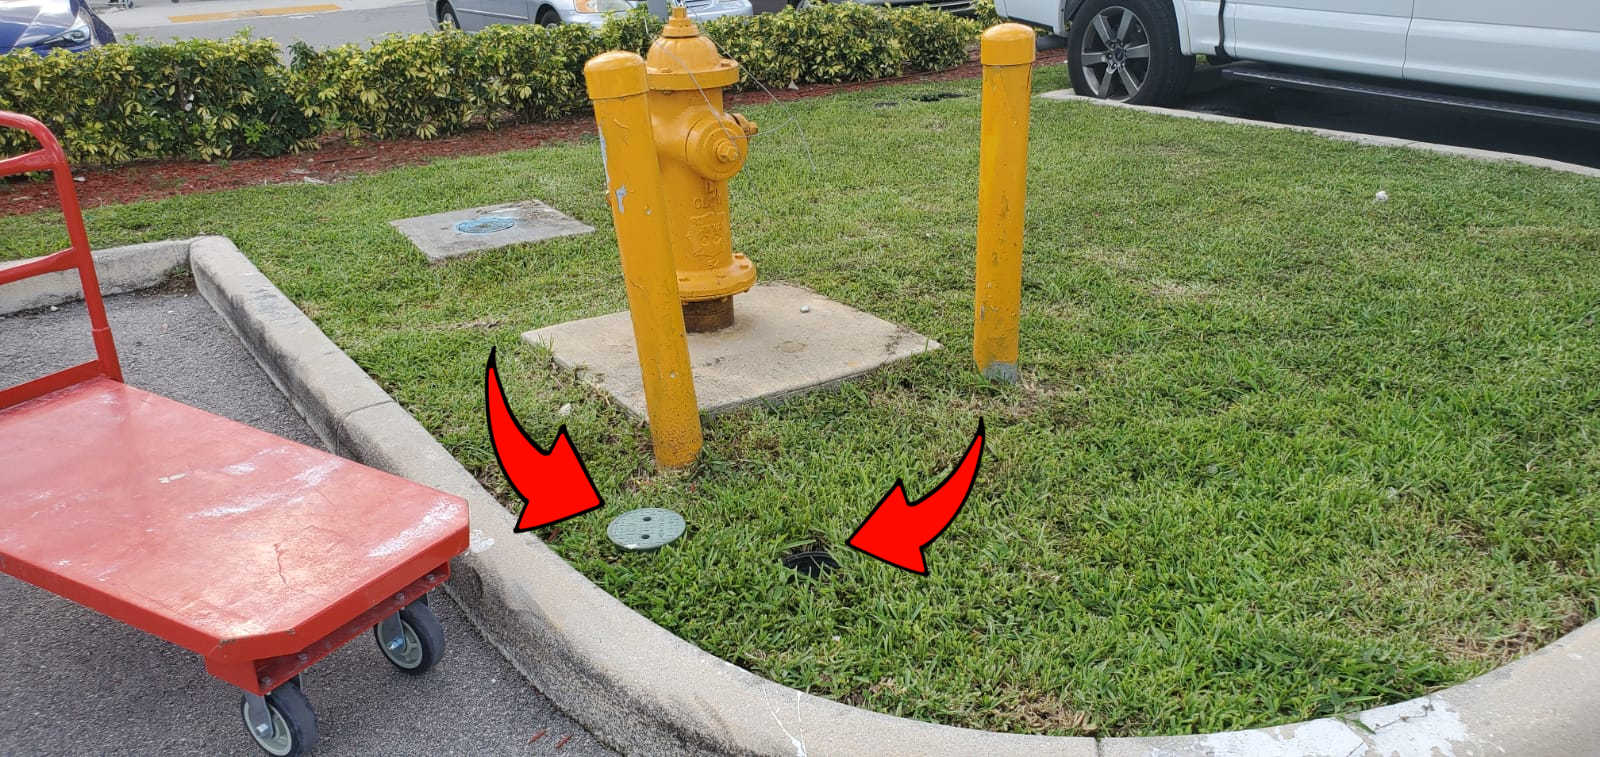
(1372, 116)
(73, 682)
(319, 23)
(316, 22)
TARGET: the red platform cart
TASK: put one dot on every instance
(257, 553)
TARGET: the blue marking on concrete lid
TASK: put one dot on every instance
(486, 225)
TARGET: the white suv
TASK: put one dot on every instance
(1142, 51)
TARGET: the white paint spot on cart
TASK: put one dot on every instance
(171, 478)
(237, 507)
(239, 469)
(439, 516)
(318, 473)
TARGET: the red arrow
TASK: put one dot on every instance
(560, 485)
(898, 533)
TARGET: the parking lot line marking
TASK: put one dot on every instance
(284, 11)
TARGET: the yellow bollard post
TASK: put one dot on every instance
(616, 82)
(1007, 53)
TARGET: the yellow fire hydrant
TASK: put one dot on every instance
(701, 147)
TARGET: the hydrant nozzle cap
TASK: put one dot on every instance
(1007, 45)
(614, 74)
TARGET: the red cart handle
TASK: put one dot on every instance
(50, 157)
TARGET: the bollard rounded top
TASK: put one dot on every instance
(614, 74)
(1007, 45)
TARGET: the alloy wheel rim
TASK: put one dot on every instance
(1115, 54)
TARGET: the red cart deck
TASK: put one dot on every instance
(261, 554)
(229, 541)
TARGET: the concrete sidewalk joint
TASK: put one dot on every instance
(1471, 153)
(640, 689)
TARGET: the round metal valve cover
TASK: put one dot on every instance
(646, 528)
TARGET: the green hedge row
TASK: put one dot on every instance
(210, 99)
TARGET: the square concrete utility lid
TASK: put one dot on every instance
(772, 350)
(446, 235)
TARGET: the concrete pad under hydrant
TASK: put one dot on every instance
(772, 350)
(442, 236)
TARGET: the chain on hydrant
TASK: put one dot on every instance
(701, 147)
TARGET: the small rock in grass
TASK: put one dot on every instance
(1382, 196)
(565, 410)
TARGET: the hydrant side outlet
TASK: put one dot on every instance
(701, 146)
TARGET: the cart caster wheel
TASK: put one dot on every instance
(282, 722)
(412, 639)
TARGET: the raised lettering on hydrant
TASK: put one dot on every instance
(701, 147)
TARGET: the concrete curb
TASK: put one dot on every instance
(121, 269)
(633, 684)
(641, 689)
(1472, 153)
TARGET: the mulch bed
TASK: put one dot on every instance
(337, 158)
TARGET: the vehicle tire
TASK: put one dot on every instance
(447, 16)
(548, 17)
(415, 642)
(292, 727)
(801, 5)
(1127, 50)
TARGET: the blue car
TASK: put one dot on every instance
(44, 26)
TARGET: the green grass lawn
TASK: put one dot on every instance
(1279, 451)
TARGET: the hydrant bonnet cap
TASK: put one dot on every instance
(682, 59)
(1007, 45)
(614, 74)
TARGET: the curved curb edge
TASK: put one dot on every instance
(641, 689)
